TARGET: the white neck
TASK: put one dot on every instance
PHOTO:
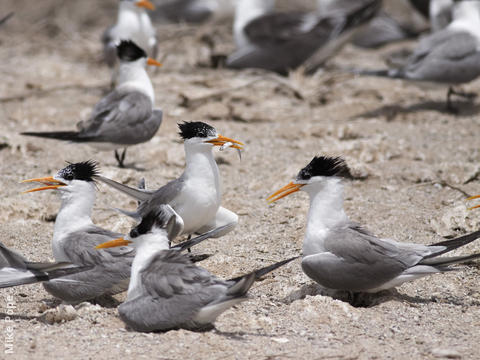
(147, 247)
(326, 211)
(466, 17)
(133, 23)
(246, 11)
(200, 165)
(74, 214)
(132, 76)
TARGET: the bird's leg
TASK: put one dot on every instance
(188, 238)
(468, 95)
(121, 158)
(450, 108)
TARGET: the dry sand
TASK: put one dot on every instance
(415, 166)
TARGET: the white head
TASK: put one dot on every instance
(322, 173)
(132, 74)
(467, 9)
(199, 136)
(154, 233)
(74, 182)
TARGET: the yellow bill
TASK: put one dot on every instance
(50, 183)
(113, 243)
(288, 189)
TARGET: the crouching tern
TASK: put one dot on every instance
(132, 23)
(341, 255)
(450, 56)
(16, 270)
(196, 194)
(124, 117)
(166, 290)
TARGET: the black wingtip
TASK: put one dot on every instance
(57, 135)
(267, 269)
(455, 243)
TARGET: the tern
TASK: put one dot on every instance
(341, 255)
(196, 194)
(75, 236)
(450, 56)
(193, 11)
(281, 42)
(16, 270)
(124, 117)
(166, 290)
(133, 23)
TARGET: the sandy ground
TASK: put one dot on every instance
(415, 165)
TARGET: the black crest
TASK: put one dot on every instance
(193, 129)
(158, 217)
(325, 166)
(85, 171)
(127, 50)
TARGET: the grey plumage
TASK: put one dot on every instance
(16, 270)
(110, 271)
(283, 41)
(121, 118)
(175, 291)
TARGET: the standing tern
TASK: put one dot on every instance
(133, 23)
(196, 194)
(16, 270)
(166, 290)
(124, 117)
(341, 255)
(450, 56)
(283, 41)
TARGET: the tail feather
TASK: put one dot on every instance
(138, 194)
(446, 261)
(265, 270)
(13, 277)
(455, 243)
(60, 135)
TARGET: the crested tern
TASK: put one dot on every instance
(124, 117)
(281, 42)
(16, 270)
(133, 23)
(196, 194)
(75, 236)
(450, 56)
(166, 290)
(341, 255)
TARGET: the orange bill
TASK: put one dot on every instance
(113, 243)
(153, 62)
(288, 189)
(221, 140)
(472, 198)
(50, 183)
(145, 4)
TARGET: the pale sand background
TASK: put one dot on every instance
(417, 164)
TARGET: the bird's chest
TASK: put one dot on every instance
(198, 204)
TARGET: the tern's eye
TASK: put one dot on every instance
(68, 176)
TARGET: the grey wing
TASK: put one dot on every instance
(121, 118)
(356, 260)
(174, 290)
(165, 195)
(10, 258)
(111, 267)
(446, 57)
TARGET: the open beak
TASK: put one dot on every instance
(113, 243)
(222, 140)
(145, 4)
(49, 182)
(153, 62)
(472, 198)
(288, 189)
